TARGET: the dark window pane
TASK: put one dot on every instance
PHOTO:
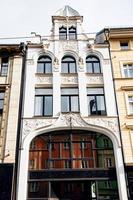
(65, 104)
(48, 68)
(40, 68)
(64, 67)
(1, 104)
(72, 67)
(96, 67)
(39, 105)
(68, 59)
(91, 105)
(4, 66)
(44, 59)
(62, 33)
(92, 59)
(89, 67)
(100, 105)
(48, 105)
(74, 103)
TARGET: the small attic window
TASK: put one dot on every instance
(62, 33)
(124, 45)
(72, 33)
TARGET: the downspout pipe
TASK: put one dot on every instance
(107, 34)
(23, 49)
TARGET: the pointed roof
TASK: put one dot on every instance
(67, 11)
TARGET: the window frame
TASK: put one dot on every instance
(69, 65)
(43, 96)
(123, 46)
(63, 30)
(2, 101)
(95, 97)
(44, 64)
(4, 65)
(92, 64)
(72, 32)
(126, 67)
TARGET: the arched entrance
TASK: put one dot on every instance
(72, 165)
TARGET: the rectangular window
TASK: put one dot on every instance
(69, 100)
(124, 45)
(34, 187)
(96, 102)
(43, 102)
(128, 70)
(130, 102)
(108, 162)
(4, 66)
(2, 94)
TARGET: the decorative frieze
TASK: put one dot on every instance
(94, 79)
(69, 80)
(44, 80)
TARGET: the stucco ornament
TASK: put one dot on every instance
(94, 79)
(69, 80)
(46, 44)
(56, 64)
(81, 64)
(90, 46)
(30, 125)
(44, 80)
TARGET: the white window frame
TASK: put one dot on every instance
(127, 102)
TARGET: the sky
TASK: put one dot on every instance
(21, 17)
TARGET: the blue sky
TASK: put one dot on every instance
(21, 17)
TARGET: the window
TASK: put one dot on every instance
(2, 94)
(68, 65)
(32, 164)
(4, 66)
(130, 102)
(72, 33)
(93, 64)
(124, 45)
(69, 100)
(128, 70)
(43, 102)
(85, 164)
(34, 187)
(62, 33)
(96, 102)
(44, 65)
(108, 162)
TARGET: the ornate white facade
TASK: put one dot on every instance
(80, 48)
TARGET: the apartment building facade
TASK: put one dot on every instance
(11, 59)
(70, 145)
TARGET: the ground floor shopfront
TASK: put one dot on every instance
(71, 164)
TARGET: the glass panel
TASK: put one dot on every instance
(38, 105)
(1, 104)
(92, 59)
(64, 67)
(38, 190)
(95, 91)
(91, 105)
(65, 107)
(100, 105)
(43, 91)
(125, 72)
(131, 71)
(89, 67)
(44, 59)
(4, 69)
(40, 67)
(48, 105)
(69, 91)
(48, 68)
(74, 103)
(72, 67)
(63, 36)
(96, 67)
(2, 95)
(68, 59)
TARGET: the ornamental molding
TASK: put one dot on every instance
(44, 80)
(68, 46)
(69, 121)
(69, 80)
(56, 65)
(94, 79)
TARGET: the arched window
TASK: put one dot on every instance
(62, 33)
(68, 65)
(93, 64)
(72, 33)
(44, 65)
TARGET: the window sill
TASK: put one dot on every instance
(45, 117)
(94, 74)
(69, 74)
(43, 74)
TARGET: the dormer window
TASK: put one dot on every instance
(72, 33)
(63, 33)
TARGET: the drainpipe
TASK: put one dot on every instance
(106, 33)
(23, 49)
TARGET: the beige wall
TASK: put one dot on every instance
(124, 87)
(9, 120)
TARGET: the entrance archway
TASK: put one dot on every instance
(72, 165)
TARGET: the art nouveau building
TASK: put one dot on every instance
(70, 140)
(11, 59)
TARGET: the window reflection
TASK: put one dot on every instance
(72, 150)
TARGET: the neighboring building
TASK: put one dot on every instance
(70, 140)
(11, 59)
(121, 49)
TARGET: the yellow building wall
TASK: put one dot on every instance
(124, 87)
